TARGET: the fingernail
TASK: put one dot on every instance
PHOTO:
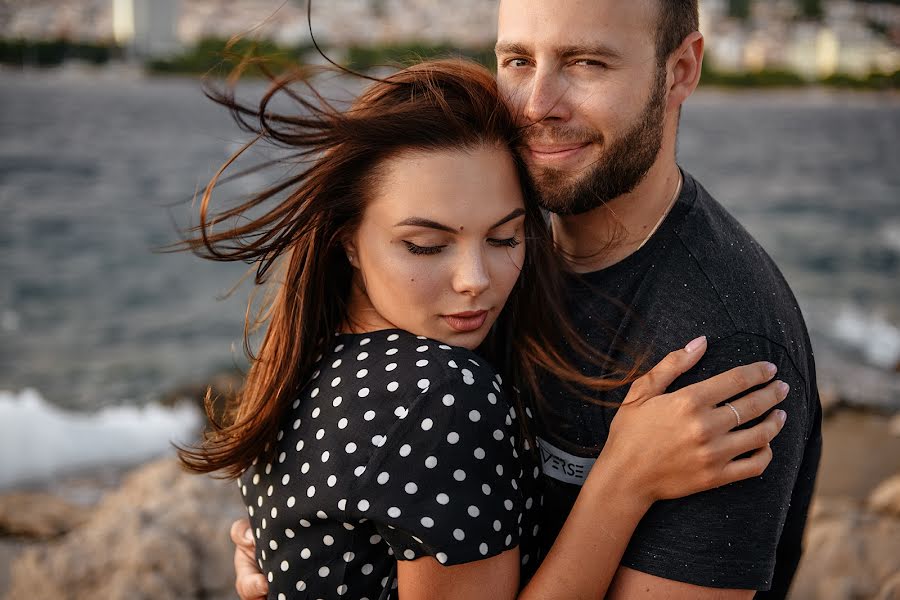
(248, 535)
(783, 389)
(696, 344)
(782, 416)
(771, 369)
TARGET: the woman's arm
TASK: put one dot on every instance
(660, 446)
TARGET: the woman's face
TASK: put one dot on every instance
(440, 245)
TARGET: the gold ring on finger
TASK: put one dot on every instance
(737, 415)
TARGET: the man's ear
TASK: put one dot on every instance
(684, 66)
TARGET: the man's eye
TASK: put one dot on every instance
(422, 250)
(515, 62)
(587, 62)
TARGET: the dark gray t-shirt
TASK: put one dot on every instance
(700, 274)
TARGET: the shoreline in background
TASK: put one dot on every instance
(207, 57)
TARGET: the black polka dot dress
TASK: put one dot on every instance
(399, 447)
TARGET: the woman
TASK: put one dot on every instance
(374, 449)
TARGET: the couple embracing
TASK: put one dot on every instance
(459, 395)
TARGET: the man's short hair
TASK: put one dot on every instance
(677, 20)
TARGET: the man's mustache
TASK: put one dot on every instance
(541, 134)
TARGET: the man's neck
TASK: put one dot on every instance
(610, 233)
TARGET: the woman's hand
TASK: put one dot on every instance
(673, 445)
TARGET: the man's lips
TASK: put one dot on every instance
(556, 151)
(466, 321)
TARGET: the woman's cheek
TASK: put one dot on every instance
(408, 284)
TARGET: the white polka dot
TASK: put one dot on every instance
(391, 367)
(256, 479)
(324, 571)
(363, 505)
(304, 468)
(320, 434)
(349, 556)
(348, 526)
(291, 502)
(427, 424)
(263, 525)
(305, 553)
(363, 392)
(500, 470)
(259, 501)
(321, 514)
(528, 503)
(391, 352)
(459, 475)
(393, 512)
(535, 530)
(370, 414)
(422, 349)
(335, 382)
(405, 449)
(422, 363)
(342, 424)
(359, 470)
(442, 558)
(453, 364)
(409, 554)
(483, 548)
(336, 364)
(325, 456)
(285, 479)
(498, 435)
(314, 393)
(393, 337)
(443, 498)
(337, 402)
(508, 540)
(342, 589)
(362, 356)
(273, 544)
(300, 445)
(289, 533)
(367, 569)
(297, 424)
(479, 453)
(468, 378)
(379, 440)
(448, 400)
(427, 522)
(492, 398)
(474, 416)
(301, 585)
(508, 504)
(431, 462)
(423, 384)
(269, 491)
(473, 511)
(342, 504)
(375, 539)
(311, 491)
(270, 576)
(497, 525)
(411, 488)
(332, 480)
(452, 437)
(392, 386)
(305, 523)
(268, 468)
(350, 448)
(383, 478)
(459, 535)
(285, 566)
(315, 413)
(328, 540)
(364, 341)
(401, 412)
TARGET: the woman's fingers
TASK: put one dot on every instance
(749, 407)
(720, 388)
(745, 468)
(249, 583)
(744, 440)
(659, 378)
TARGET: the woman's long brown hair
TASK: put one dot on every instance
(297, 225)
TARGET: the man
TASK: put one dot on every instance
(600, 84)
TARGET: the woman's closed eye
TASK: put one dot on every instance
(423, 250)
(510, 242)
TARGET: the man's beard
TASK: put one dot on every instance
(622, 166)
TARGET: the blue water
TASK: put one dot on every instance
(94, 171)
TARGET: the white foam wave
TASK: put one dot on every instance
(871, 334)
(39, 441)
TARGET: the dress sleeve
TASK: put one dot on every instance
(446, 481)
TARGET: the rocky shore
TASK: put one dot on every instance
(159, 533)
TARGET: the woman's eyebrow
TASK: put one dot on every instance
(421, 222)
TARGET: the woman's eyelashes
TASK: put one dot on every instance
(510, 242)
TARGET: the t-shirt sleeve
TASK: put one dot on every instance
(446, 481)
(727, 537)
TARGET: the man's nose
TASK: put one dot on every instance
(546, 97)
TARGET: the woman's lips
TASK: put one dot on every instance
(467, 321)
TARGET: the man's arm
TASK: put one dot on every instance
(631, 584)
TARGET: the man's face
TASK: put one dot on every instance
(582, 75)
